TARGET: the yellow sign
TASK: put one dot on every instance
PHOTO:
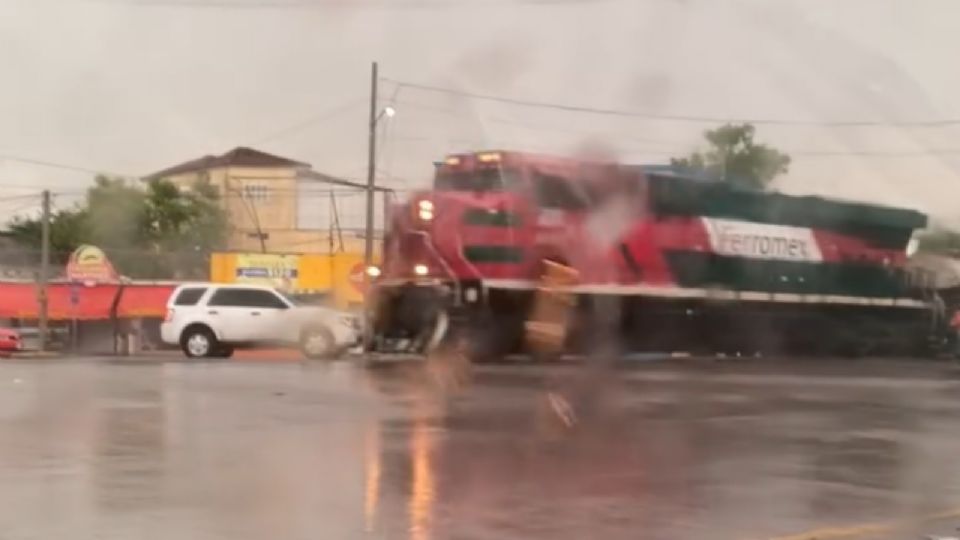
(281, 271)
(339, 274)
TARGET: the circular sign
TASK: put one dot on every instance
(90, 264)
(358, 278)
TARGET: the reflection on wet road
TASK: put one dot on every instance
(93, 449)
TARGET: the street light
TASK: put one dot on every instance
(375, 117)
(388, 112)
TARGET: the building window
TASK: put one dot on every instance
(256, 192)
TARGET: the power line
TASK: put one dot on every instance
(673, 117)
(55, 165)
(21, 208)
(689, 147)
(327, 4)
(19, 197)
(299, 126)
(878, 153)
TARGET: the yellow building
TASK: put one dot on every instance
(279, 205)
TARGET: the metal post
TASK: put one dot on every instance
(386, 222)
(74, 330)
(330, 238)
(371, 167)
(74, 300)
(44, 270)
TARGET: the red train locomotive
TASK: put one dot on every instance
(663, 261)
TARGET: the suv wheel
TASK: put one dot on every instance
(317, 343)
(199, 342)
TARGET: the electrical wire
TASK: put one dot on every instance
(55, 165)
(327, 4)
(682, 148)
(300, 126)
(20, 197)
(21, 208)
(672, 117)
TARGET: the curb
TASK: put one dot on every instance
(31, 355)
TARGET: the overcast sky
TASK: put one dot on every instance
(133, 86)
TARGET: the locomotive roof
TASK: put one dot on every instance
(685, 195)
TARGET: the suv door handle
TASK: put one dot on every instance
(212, 312)
(255, 313)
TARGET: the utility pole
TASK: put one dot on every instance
(44, 269)
(386, 220)
(371, 167)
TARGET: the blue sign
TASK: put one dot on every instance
(267, 272)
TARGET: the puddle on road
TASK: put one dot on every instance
(123, 451)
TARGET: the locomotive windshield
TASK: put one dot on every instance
(476, 180)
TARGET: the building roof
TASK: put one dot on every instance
(238, 157)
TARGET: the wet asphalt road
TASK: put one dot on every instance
(245, 450)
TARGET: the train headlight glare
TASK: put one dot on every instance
(470, 295)
(425, 210)
(373, 271)
(912, 246)
(421, 270)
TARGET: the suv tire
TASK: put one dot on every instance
(317, 343)
(199, 342)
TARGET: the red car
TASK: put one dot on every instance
(9, 340)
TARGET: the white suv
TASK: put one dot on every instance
(210, 320)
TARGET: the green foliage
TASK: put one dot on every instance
(68, 228)
(735, 157)
(157, 231)
(116, 214)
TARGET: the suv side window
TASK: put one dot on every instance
(189, 297)
(228, 297)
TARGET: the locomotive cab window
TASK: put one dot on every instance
(494, 179)
(559, 193)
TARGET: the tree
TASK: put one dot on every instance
(157, 231)
(189, 223)
(734, 157)
(117, 217)
(68, 228)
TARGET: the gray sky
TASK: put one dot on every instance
(132, 86)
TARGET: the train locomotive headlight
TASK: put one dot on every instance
(421, 269)
(470, 295)
(425, 210)
(912, 246)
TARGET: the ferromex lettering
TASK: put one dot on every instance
(761, 240)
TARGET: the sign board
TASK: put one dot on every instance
(762, 240)
(279, 271)
(90, 264)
